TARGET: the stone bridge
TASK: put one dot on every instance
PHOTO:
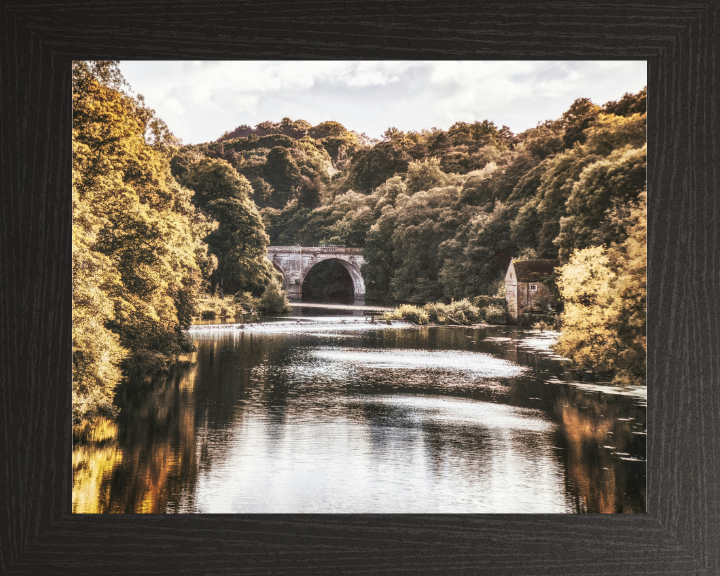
(295, 262)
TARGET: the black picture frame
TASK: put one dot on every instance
(680, 534)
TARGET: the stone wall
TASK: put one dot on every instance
(527, 299)
(296, 261)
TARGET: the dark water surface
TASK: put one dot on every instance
(333, 414)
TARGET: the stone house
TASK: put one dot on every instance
(524, 288)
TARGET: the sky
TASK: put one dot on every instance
(200, 100)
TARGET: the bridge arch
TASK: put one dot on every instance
(358, 285)
(296, 262)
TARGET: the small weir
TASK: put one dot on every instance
(300, 324)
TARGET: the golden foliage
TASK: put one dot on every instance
(135, 233)
(605, 292)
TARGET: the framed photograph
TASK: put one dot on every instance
(396, 317)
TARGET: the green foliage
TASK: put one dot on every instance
(238, 241)
(494, 314)
(424, 221)
(372, 167)
(482, 255)
(214, 180)
(240, 245)
(97, 351)
(408, 313)
(344, 221)
(213, 307)
(327, 129)
(309, 194)
(484, 132)
(391, 189)
(379, 267)
(543, 141)
(557, 182)
(611, 133)
(586, 286)
(424, 175)
(581, 114)
(246, 301)
(485, 301)
(274, 300)
(628, 105)
(283, 174)
(461, 313)
(619, 177)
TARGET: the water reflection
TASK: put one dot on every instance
(360, 418)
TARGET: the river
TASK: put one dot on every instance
(329, 413)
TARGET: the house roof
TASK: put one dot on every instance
(530, 270)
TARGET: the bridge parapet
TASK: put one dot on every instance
(314, 250)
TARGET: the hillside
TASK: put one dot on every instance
(440, 213)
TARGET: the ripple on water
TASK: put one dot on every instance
(472, 363)
(500, 417)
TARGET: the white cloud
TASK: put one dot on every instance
(201, 100)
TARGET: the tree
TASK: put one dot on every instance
(391, 189)
(621, 178)
(605, 291)
(379, 265)
(610, 133)
(479, 254)
(478, 189)
(135, 268)
(628, 105)
(213, 179)
(586, 287)
(577, 119)
(283, 174)
(240, 246)
(424, 221)
(97, 351)
(309, 194)
(630, 257)
(556, 185)
(373, 166)
(274, 300)
(441, 213)
(239, 241)
(426, 174)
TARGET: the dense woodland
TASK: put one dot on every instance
(438, 213)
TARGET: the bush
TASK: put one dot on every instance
(485, 301)
(274, 300)
(461, 312)
(437, 312)
(494, 314)
(245, 301)
(212, 307)
(408, 312)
